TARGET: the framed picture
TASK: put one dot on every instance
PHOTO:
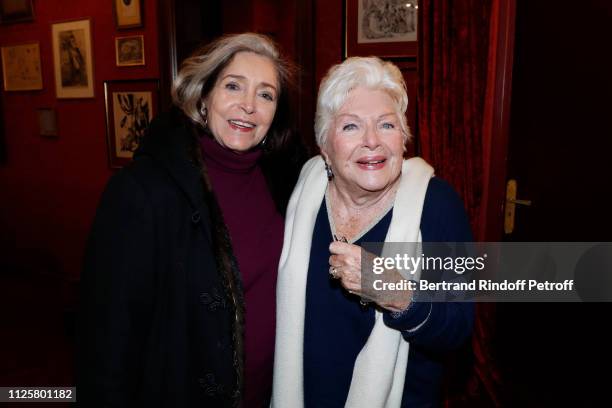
(73, 59)
(130, 106)
(21, 67)
(129, 51)
(47, 122)
(383, 28)
(128, 13)
(16, 11)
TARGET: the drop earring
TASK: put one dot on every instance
(204, 114)
(329, 171)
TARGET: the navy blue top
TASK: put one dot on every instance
(336, 326)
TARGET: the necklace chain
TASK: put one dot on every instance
(363, 230)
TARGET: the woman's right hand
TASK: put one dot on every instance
(345, 265)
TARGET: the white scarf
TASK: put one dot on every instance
(380, 368)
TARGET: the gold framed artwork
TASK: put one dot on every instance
(130, 106)
(73, 59)
(16, 11)
(21, 67)
(383, 28)
(129, 51)
(128, 13)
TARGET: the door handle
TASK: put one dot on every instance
(520, 202)
(510, 206)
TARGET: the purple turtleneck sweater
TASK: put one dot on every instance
(256, 231)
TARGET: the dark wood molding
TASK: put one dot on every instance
(2, 136)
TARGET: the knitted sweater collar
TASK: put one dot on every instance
(227, 160)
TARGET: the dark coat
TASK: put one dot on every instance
(161, 310)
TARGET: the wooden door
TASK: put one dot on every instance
(559, 147)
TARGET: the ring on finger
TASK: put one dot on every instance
(333, 272)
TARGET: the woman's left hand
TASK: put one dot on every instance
(345, 265)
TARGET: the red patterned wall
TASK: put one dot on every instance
(50, 187)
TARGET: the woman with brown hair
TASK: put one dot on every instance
(178, 303)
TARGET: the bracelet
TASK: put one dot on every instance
(397, 315)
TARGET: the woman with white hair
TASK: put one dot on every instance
(332, 348)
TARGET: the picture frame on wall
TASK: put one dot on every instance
(21, 68)
(16, 11)
(47, 122)
(128, 14)
(130, 106)
(73, 59)
(129, 51)
(382, 28)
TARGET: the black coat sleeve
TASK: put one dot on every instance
(116, 296)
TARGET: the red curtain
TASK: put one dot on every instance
(453, 49)
(454, 81)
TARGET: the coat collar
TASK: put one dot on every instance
(171, 141)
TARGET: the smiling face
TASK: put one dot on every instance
(365, 144)
(242, 103)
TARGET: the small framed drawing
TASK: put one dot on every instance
(129, 51)
(130, 106)
(128, 13)
(47, 122)
(16, 11)
(21, 67)
(383, 28)
(73, 59)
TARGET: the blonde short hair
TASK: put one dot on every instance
(341, 79)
